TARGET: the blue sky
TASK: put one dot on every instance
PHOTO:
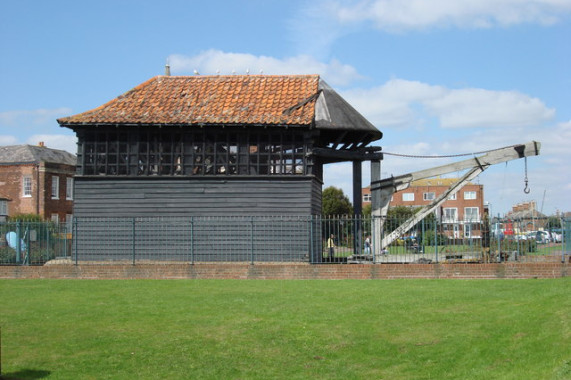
(437, 77)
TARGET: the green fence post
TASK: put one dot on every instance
(74, 237)
(435, 239)
(252, 240)
(133, 241)
(48, 241)
(311, 237)
(192, 240)
(499, 254)
(18, 241)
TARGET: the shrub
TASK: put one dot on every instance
(429, 239)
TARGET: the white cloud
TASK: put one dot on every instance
(62, 142)
(473, 107)
(8, 140)
(23, 119)
(400, 103)
(404, 15)
(216, 61)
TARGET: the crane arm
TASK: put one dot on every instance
(387, 187)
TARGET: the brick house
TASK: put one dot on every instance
(460, 215)
(525, 217)
(36, 180)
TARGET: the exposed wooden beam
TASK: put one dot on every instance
(348, 155)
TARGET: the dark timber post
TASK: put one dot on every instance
(357, 206)
(376, 206)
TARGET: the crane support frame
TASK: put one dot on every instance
(383, 190)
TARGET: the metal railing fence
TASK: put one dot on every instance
(33, 243)
(311, 239)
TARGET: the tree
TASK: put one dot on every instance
(401, 212)
(553, 222)
(335, 202)
(367, 210)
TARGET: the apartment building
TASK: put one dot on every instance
(460, 214)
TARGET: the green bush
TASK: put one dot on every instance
(522, 246)
(26, 218)
(428, 238)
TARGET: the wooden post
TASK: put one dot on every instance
(375, 207)
(357, 206)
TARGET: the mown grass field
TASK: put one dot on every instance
(239, 329)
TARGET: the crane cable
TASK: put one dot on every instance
(448, 155)
(526, 188)
(526, 181)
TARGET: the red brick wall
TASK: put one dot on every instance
(11, 185)
(60, 206)
(41, 202)
(460, 203)
(288, 271)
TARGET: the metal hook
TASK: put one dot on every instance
(526, 188)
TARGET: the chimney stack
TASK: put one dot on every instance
(167, 70)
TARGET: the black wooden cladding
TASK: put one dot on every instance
(112, 198)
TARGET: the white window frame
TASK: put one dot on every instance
(3, 208)
(55, 187)
(467, 230)
(69, 188)
(450, 218)
(55, 218)
(452, 197)
(429, 196)
(408, 197)
(69, 222)
(27, 186)
(469, 195)
(466, 219)
(367, 197)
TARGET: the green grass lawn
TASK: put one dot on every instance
(239, 329)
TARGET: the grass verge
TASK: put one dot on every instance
(227, 329)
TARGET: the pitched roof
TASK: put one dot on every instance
(32, 154)
(286, 100)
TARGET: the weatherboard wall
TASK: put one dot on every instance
(116, 197)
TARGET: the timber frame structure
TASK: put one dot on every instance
(238, 145)
(382, 190)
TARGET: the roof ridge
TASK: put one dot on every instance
(240, 76)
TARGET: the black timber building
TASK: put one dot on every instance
(239, 145)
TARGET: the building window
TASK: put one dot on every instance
(469, 195)
(471, 214)
(366, 197)
(69, 222)
(27, 186)
(3, 208)
(408, 197)
(171, 152)
(450, 215)
(69, 188)
(55, 187)
(452, 197)
(428, 196)
(55, 218)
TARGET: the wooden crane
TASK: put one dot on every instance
(383, 190)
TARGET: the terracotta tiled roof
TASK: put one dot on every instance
(232, 99)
